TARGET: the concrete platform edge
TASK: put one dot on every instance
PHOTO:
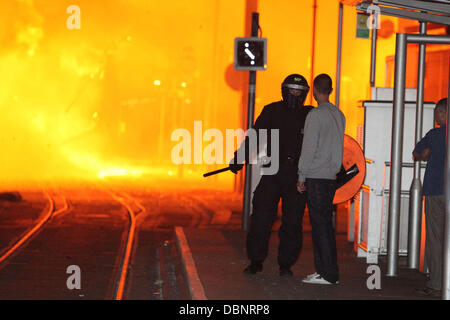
(195, 286)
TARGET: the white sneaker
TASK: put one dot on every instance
(316, 279)
(311, 275)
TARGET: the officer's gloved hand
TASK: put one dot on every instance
(235, 166)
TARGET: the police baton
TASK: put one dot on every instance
(216, 171)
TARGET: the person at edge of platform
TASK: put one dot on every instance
(288, 117)
(431, 148)
(320, 161)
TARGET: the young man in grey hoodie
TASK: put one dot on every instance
(320, 161)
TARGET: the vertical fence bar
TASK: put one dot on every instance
(415, 192)
(396, 153)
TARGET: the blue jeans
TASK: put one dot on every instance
(319, 198)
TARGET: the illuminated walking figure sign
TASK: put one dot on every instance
(250, 53)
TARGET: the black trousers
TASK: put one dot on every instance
(265, 206)
(320, 194)
(434, 223)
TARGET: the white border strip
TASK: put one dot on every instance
(194, 284)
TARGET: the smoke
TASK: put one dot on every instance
(103, 100)
(42, 77)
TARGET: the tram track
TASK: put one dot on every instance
(53, 222)
(106, 235)
(23, 239)
(124, 199)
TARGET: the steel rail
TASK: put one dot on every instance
(120, 288)
(31, 232)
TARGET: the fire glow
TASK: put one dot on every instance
(101, 99)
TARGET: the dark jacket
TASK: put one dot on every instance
(289, 122)
(433, 181)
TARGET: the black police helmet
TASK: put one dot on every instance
(298, 82)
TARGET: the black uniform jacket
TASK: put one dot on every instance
(289, 122)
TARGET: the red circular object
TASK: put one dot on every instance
(233, 78)
(353, 154)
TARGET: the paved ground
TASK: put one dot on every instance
(220, 259)
(90, 228)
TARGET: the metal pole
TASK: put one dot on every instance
(339, 55)
(338, 81)
(250, 119)
(250, 7)
(415, 192)
(396, 153)
(428, 38)
(446, 253)
(373, 58)
(313, 47)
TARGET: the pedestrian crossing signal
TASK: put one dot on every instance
(250, 53)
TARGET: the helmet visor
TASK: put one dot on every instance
(295, 86)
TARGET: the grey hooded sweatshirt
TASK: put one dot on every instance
(323, 143)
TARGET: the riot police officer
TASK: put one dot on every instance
(288, 116)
